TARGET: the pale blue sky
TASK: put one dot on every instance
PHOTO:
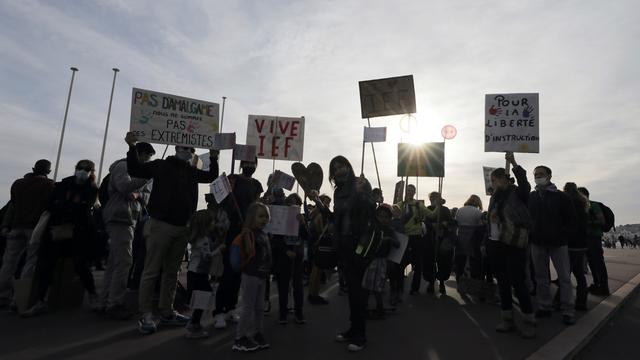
(305, 58)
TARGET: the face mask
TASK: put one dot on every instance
(184, 155)
(542, 181)
(248, 171)
(82, 175)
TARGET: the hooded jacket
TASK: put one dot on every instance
(553, 215)
(119, 208)
(174, 197)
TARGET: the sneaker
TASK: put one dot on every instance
(39, 308)
(147, 325)
(283, 319)
(262, 343)
(219, 321)
(356, 345)
(119, 312)
(344, 336)
(196, 331)
(317, 300)
(568, 320)
(442, 288)
(300, 320)
(244, 344)
(174, 319)
(540, 314)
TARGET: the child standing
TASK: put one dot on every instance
(207, 243)
(252, 250)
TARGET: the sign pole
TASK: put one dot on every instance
(224, 100)
(375, 161)
(64, 123)
(106, 128)
(362, 161)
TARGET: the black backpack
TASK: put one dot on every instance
(103, 190)
(609, 218)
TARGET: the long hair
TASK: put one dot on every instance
(343, 160)
(571, 189)
(474, 200)
(252, 214)
(200, 224)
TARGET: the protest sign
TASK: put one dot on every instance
(169, 119)
(399, 191)
(375, 134)
(279, 138)
(201, 300)
(244, 152)
(309, 177)
(283, 220)
(220, 188)
(282, 180)
(224, 141)
(512, 123)
(396, 253)
(390, 96)
(487, 179)
(424, 160)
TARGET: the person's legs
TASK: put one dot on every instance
(540, 257)
(417, 260)
(298, 289)
(171, 268)
(357, 301)
(251, 301)
(16, 245)
(282, 269)
(197, 282)
(119, 262)
(445, 264)
(33, 248)
(460, 261)
(516, 272)
(314, 281)
(157, 245)
(498, 253)
(429, 260)
(83, 268)
(599, 268)
(560, 258)
(576, 259)
(258, 311)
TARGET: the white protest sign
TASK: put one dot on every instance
(244, 152)
(201, 300)
(220, 188)
(169, 119)
(224, 141)
(390, 96)
(487, 179)
(280, 138)
(375, 134)
(282, 180)
(512, 123)
(396, 254)
(284, 220)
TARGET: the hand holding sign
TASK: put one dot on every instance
(131, 138)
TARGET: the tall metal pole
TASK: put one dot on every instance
(64, 123)
(106, 129)
(224, 100)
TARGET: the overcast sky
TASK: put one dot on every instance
(304, 58)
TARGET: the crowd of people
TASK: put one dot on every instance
(147, 211)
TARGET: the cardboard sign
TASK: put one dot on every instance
(399, 191)
(425, 160)
(487, 179)
(283, 221)
(224, 141)
(309, 177)
(202, 300)
(244, 152)
(375, 134)
(220, 188)
(390, 96)
(280, 138)
(396, 254)
(512, 123)
(283, 180)
(169, 119)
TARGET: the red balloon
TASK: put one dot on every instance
(449, 132)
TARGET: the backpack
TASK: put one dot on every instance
(238, 257)
(609, 218)
(103, 190)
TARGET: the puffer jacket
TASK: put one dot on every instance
(119, 208)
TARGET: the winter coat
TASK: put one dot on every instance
(29, 198)
(553, 216)
(119, 208)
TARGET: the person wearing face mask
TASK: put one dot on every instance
(246, 190)
(71, 233)
(173, 201)
(554, 224)
(127, 197)
(29, 197)
(509, 224)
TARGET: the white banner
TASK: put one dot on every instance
(244, 152)
(280, 138)
(396, 254)
(375, 134)
(284, 220)
(487, 179)
(512, 123)
(169, 119)
(220, 188)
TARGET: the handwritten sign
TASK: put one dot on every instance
(169, 119)
(202, 300)
(375, 134)
(425, 160)
(282, 180)
(390, 96)
(399, 191)
(280, 138)
(224, 141)
(283, 221)
(512, 123)
(487, 179)
(220, 188)
(396, 254)
(244, 152)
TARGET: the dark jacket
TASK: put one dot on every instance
(29, 198)
(72, 203)
(508, 209)
(353, 212)
(553, 215)
(578, 240)
(174, 197)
